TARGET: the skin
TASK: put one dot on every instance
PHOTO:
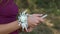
(33, 21)
(10, 27)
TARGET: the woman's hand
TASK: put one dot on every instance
(33, 21)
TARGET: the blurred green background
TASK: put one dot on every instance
(50, 7)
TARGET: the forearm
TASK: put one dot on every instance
(8, 28)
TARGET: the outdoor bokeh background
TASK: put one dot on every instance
(50, 7)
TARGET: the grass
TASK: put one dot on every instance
(51, 8)
(53, 18)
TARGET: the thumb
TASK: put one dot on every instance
(29, 29)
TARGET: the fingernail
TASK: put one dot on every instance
(41, 14)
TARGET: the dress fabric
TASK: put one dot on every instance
(8, 12)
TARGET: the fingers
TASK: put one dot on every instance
(29, 29)
(37, 15)
(33, 25)
(34, 20)
(41, 19)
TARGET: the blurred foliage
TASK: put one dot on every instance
(50, 7)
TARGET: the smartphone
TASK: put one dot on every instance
(44, 16)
